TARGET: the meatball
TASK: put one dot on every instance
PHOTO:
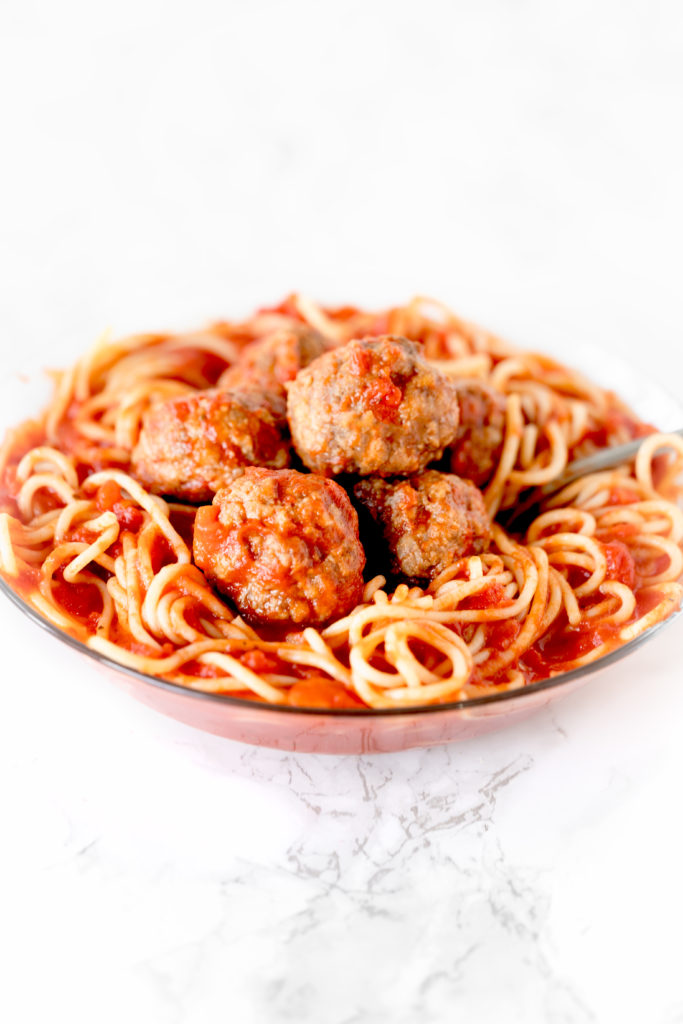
(283, 546)
(371, 407)
(267, 364)
(478, 443)
(427, 521)
(191, 445)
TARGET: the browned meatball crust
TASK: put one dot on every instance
(427, 521)
(191, 445)
(478, 443)
(283, 546)
(267, 364)
(371, 407)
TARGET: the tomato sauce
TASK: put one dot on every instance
(616, 424)
(82, 600)
(620, 564)
(321, 692)
(562, 647)
(646, 600)
(493, 596)
(384, 398)
(161, 553)
(622, 496)
(503, 633)
(27, 580)
(262, 662)
(360, 361)
(108, 498)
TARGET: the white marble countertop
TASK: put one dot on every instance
(522, 162)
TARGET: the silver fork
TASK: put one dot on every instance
(606, 458)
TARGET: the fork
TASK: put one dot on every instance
(606, 458)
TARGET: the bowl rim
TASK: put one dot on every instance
(227, 700)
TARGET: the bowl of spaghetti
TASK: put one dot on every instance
(290, 529)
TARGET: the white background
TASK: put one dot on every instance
(165, 163)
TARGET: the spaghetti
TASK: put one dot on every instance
(97, 554)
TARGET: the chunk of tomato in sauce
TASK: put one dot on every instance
(492, 596)
(260, 662)
(324, 693)
(620, 564)
(564, 646)
(360, 361)
(108, 498)
(621, 496)
(384, 398)
(499, 635)
(82, 600)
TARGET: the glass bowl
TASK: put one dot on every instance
(364, 730)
